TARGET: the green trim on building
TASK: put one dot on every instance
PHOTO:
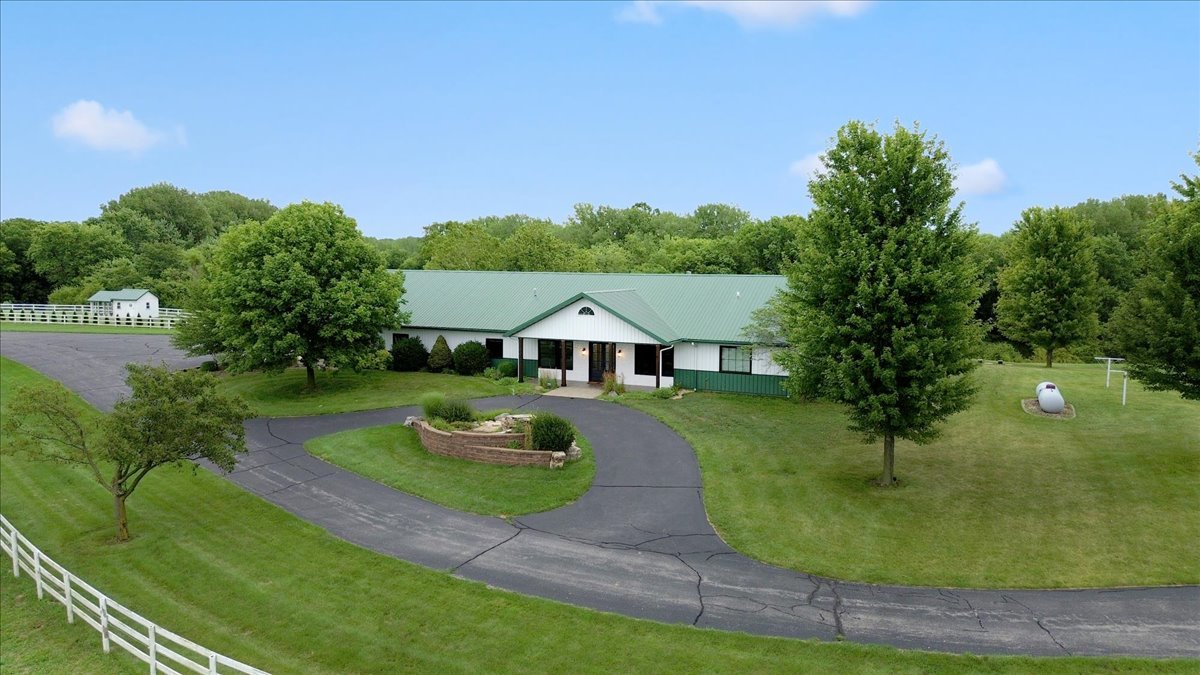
(737, 383)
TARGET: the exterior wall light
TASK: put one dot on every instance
(618, 352)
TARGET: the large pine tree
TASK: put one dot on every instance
(879, 308)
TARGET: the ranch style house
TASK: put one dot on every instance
(651, 330)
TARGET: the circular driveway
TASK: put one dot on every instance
(638, 542)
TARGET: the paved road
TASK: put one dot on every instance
(639, 543)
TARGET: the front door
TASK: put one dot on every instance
(601, 360)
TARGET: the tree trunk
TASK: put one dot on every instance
(1050, 357)
(122, 518)
(889, 460)
(312, 375)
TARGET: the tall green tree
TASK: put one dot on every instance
(169, 418)
(537, 247)
(227, 209)
(1048, 291)
(878, 312)
(22, 282)
(768, 246)
(170, 207)
(1157, 325)
(460, 246)
(64, 253)
(304, 284)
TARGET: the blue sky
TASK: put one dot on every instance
(407, 114)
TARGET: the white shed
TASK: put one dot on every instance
(127, 303)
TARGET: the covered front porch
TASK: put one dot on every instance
(594, 335)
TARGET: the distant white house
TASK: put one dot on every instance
(127, 303)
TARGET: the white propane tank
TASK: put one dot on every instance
(1050, 398)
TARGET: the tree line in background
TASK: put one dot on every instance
(154, 237)
(1048, 288)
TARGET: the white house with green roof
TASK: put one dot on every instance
(127, 303)
(652, 330)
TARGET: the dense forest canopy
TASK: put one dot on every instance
(159, 237)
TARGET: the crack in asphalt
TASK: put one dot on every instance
(296, 483)
(487, 550)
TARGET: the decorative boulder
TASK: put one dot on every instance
(557, 459)
(1050, 398)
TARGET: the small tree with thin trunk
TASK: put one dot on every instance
(878, 313)
(171, 418)
(1048, 292)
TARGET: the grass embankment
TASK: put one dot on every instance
(17, 327)
(36, 638)
(393, 455)
(222, 567)
(1004, 499)
(285, 394)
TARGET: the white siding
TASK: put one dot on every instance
(603, 326)
(703, 356)
(454, 338)
(145, 307)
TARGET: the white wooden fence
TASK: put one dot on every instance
(82, 315)
(162, 650)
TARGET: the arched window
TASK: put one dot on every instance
(586, 311)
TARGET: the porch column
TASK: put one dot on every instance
(562, 347)
(520, 359)
(657, 366)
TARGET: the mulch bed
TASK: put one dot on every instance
(1030, 405)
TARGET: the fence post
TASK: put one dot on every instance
(12, 540)
(69, 595)
(212, 663)
(37, 571)
(104, 622)
(153, 651)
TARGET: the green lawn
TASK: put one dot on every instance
(17, 327)
(1003, 499)
(35, 637)
(222, 567)
(284, 394)
(393, 455)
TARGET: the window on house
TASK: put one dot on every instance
(550, 354)
(147, 305)
(495, 347)
(668, 363)
(643, 359)
(118, 305)
(735, 359)
(586, 311)
(396, 337)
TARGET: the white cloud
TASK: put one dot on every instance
(749, 13)
(640, 11)
(107, 129)
(982, 178)
(807, 167)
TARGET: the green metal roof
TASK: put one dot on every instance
(123, 294)
(668, 307)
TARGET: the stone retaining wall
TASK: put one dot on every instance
(479, 447)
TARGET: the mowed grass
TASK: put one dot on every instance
(1004, 499)
(393, 455)
(35, 637)
(224, 568)
(285, 394)
(18, 327)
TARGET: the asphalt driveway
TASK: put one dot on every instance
(638, 542)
